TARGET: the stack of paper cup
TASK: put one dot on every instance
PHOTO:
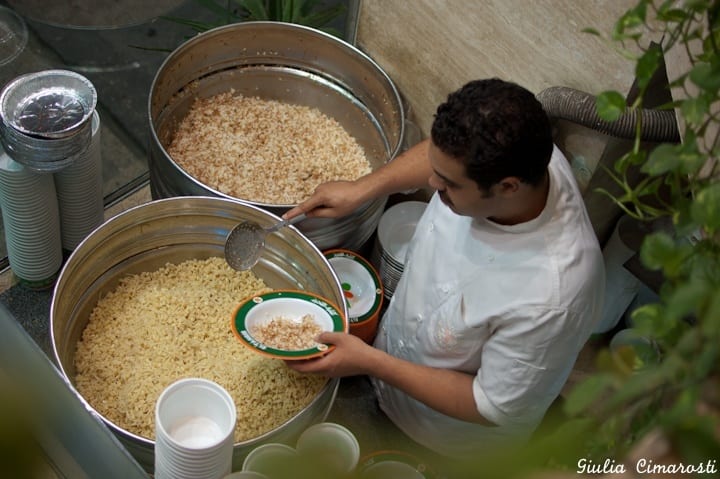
(274, 460)
(393, 465)
(328, 449)
(194, 430)
(80, 192)
(32, 226)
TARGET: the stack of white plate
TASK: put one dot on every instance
(32, 226)
(80, 192)
(395, 230)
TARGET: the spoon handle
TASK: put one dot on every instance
(284, 223)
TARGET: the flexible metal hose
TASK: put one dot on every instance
(579, 107)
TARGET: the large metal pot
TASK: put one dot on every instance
(171, 231)
(289, 63)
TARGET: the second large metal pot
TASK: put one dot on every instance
(173, 230)
(283, 62)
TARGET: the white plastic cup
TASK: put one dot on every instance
(32, 224)
(391, 470)
(273, 459)
(194, 430)
(329, 448)
(246, 475)
(80, 191)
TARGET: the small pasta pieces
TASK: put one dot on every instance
(264, 151)
(287, 333)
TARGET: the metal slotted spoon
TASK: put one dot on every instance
(245, 242)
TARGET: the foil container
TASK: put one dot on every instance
(47, 118)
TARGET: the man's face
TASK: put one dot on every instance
(457, 191)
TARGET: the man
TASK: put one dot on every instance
(503, 281)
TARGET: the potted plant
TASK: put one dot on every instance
(635, 415)
(318, 14)
(675, 401)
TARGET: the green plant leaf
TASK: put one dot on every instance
(640, 386)
(706, 361)
(631, 158)
(651, 321)
(684, 158)
(706, 76)
(694, 110)
(610, 105)
(645, 316)
(631, 19)
(586, 393)
(696, 442)
(657, 250)
(687, 298)
(291, 10)
(646, 66)
(591, 31)
(706, 208)
(195, 25)
(256, 9)
(662, 159)
(649, 187)
(711, 42)
(710, 320)
(220, 9)
(324, 17)
(667, 13)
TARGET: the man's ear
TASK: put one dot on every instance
(508, 185)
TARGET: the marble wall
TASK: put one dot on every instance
(431, 47)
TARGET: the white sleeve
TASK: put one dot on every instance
(525, 364)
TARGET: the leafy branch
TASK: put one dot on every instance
(311, 13)
(630, 396)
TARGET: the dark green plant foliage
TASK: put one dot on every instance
(311, 13)
(681, 184)
(675, 388)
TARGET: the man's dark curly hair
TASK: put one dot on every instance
(497, 129)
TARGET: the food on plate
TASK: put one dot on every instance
(287, 333)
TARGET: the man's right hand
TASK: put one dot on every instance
(336, 199)
(333, 199)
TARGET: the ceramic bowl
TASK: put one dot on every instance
(363, 291)
(292, 305)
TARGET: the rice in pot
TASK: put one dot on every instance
(157, 327)
(264, 151)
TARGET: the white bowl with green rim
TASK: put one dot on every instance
(290, 305)
(362, 289)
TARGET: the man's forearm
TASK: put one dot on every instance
(410, 170)
(447, 391)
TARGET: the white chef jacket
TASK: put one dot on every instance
(512, 305)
